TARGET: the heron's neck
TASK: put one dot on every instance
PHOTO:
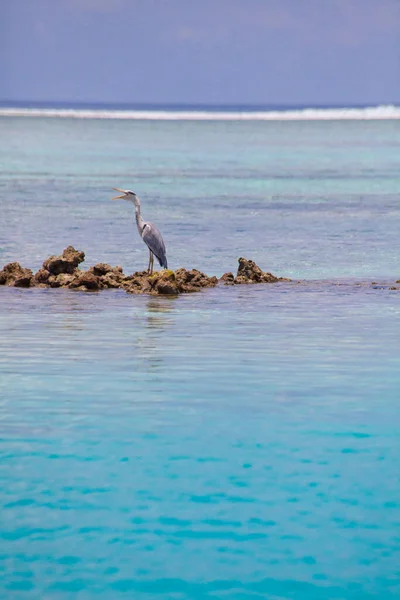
(139, 218)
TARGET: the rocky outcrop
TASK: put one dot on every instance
(66, 263)
(193, 280)
(63, 272)
(228, 278)
(16, 276)
(249, 272)
(84, 280)
(110, 277)
(168, 282)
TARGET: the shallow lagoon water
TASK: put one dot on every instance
(238, 443)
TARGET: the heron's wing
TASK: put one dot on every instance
(152, 237)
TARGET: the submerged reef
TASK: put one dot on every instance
(63, 272)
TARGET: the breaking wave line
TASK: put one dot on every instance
(307, 114)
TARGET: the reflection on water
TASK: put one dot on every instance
(71, 307)
(157, 310)
(150, 343)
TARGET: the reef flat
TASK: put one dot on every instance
(63, 272)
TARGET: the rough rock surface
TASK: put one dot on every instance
(66, 263)
(41, 278)
(228, 278)
(110, 277)
(169, 282)
(15, 275)
(85, 280)
(249, 272)
(63, 272)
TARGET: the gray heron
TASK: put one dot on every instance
(149, 233)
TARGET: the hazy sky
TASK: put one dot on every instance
(205, 51)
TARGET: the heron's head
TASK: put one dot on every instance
(126, 195)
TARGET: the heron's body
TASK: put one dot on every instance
(149, 233)
(152, 237)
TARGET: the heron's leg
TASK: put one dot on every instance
(152, 263)
(150, 255)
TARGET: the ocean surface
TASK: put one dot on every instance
(240, 443)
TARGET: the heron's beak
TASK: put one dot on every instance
(119, 197)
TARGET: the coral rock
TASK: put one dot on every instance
(66, 263)
(110, 277)
(164, 287)
(85, 280)
(110, 280)
(193, 280)
(15, 275)
(63, 280)
(167, 282)
(137, 283)
(102, 269)
(164, 282)
(249, 272)
(62, 271)
(41, 277)
(228, 278)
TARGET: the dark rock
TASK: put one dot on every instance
(103, 268)
(140, 283)
(24, 279)
(249, 272)
(168, 282)
(109, 280)
(112, 278)
(63, 280)
(85, 280)
(41, 277)
(62, 271)
(60, 280)
(193, 280)
(228, 278)
(53, 282)
(164, 287)
(66, 263)
(137, 285)
(164, 282)
(15, 275)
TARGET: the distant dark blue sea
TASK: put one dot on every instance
(239, 443)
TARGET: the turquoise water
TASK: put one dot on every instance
(240, 443)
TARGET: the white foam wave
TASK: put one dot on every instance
(307, 114)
